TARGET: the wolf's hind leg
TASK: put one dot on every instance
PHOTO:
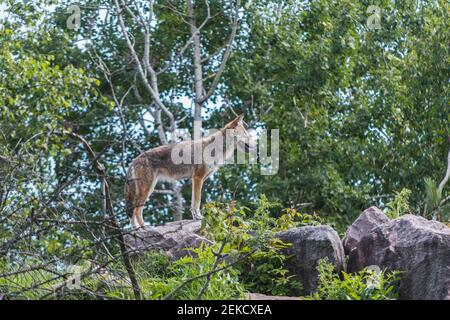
(141, 184)
(144, 191)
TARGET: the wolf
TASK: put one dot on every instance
(163, 164)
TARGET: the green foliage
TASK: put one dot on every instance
(265, 272)
(223, 284)
(293, 218)
(436, 206)
(23, 282)
(399, 205)
(248, 239)
(159, 276)
(37, 94)
(20, 285)
(245, 229)
(361, 112)
(433, 194)
(363, 285)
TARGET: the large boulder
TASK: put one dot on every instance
(369, 219)
(173, 238)
(418, 247)
(309, 245)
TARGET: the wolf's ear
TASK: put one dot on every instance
(237, 121)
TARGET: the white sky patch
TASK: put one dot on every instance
(102, 12)
(3, 11)
(188, 104)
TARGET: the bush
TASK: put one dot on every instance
(253, 231)
(166, 279)
(243, 237)
(364, 285)
(160, 277)
(399, 205)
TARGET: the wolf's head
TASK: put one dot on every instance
(240, 134)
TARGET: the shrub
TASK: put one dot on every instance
(162, 278)
(247, 230)
(363, 285)
(168, 282)
(435, 204)
(400, 205)
(243, 237)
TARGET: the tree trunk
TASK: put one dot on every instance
(177, 201)
(198, 74)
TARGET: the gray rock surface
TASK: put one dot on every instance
(418, 247)
(309, 245)
(173, 238)
(369, 219)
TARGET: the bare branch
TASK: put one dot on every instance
(198, 71)
(229, 265)
(100, 169)
(447, 175)
(225, 56)
(4, 159)
(219, 257)
(156, 115)
(141, 71)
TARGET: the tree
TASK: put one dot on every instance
(152, 53)
(362, 113)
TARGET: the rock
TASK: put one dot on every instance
(309, 245)
(173, 238)
(418, 247)
(369, 219)
(260, 296)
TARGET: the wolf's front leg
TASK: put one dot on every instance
(196, 214)
(197, 184)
